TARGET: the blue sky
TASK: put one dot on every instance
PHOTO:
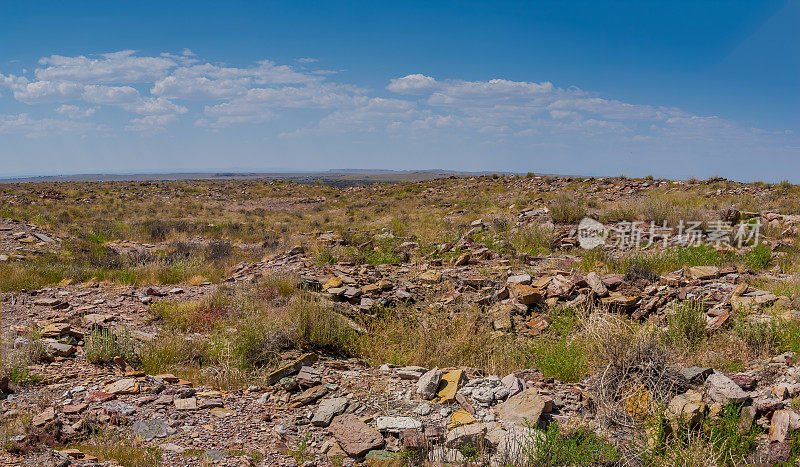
(673, 89)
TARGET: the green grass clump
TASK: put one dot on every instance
(578, 447)
(103, 344)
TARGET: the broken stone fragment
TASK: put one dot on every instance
(448, 386)
(704, 272)
(291, 368)
(308, 376)
(723, 390)
(596, 284)
(411, 372)
(428, 384)
(688, 407)
(124, 386)
(328, 409)
(189, 403)
(525, 407)
(45, 417)
(310, 395)
(513, 384)
(430, 277)
(354, 436)
(397, 424)
(525, 294)
(476, 434)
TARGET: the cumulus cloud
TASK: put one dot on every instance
(156, 90)
(151, 123)
(413, 84)
(26, 125)
(116, 67)
(76, 112)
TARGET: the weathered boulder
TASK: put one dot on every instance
(526, 406)
(428, 384)
(723, 390)
(354, 436)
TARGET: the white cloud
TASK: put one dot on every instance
(33, 127)
(155, 89)
(369, 115)
(76, 112)
(110, 95)
(413, 84)
(207, 81)
(116, 67)
(151, 123)
(46, 91)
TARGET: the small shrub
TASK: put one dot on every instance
(103, 344)
(567, 210)
(686, 326)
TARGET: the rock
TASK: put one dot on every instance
(462, 260)
(95, 319)
(696, 374)
(500, 315)
(45, 417)
(449, 385)
(560, 286)
(513, 384)
(519, 279)
(596, 284)
(189, 403)
(310, 395)
(291, 368)
(423, 409)
(718, 321)
(74, 409)
(397, 424)
(328, 409)
(477, 435)
(688, 407)
(525, 406)
(461, 417)
(743, 380)
(308, 376)
(51, 302)
(124, 386)
(54, 330)
(98, 396)
(430, 277)
(525, 294)
(57, 349)
(332, 283)
(119, 408)
(704, 272)
(411, 372)
(354, 436)
(428, 384)
(779, 427)
(723, 390)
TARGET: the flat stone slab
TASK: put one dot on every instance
(328, 409)
(354, 436)
(526, 406)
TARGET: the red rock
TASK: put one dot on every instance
(74, 408)
(354, 436)
(99, 396)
